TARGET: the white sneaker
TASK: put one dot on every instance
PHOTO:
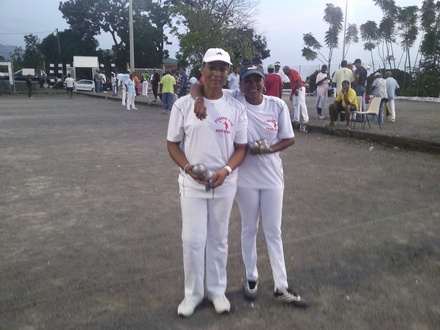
(221, 305)
(187, 306)
(164, 111)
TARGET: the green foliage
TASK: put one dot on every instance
(205, 24)
(32, 57)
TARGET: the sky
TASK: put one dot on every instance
(282, 22)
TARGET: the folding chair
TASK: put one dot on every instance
(373, 110)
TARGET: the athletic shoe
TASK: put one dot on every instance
(320, 117)
(251, 290)
(187, 306)
(221, 305)
(135, 108)
(305, 122)
(164, 111)
(289, 297)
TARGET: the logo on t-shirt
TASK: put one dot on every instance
(226, 124)
(273, 125)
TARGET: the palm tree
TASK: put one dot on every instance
(407, 24)
(371, 35)
(387, 29)
(351, 36)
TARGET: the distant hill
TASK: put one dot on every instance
(5, 50)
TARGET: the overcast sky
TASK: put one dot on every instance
(282, 22)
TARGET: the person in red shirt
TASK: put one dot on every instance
(298, 89)
(273, 84)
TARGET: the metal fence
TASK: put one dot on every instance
(18, 87)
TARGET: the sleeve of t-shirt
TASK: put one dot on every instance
(285, 129)
(241, 136)
(175, 125)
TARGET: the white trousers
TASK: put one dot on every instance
(299, 105)
(205, 234)
(269, 204)
(130, 100)
(392, 106)
(124, 93)
(145, 88)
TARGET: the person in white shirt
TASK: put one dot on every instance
(233, 81)
(261, 181)
(219, 142)
(70, 83)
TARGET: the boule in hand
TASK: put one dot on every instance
(199, 169)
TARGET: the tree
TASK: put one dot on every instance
(371, 34)
(17, 58)
(351, 36)
(430, 46)
(32, 57)
(202, 24)
(387, 31)
(407, 24)
(334, 17)
(71, 44)
(90, 18)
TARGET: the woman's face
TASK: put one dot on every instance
(252, 86)
(215, 74)
(345, 86)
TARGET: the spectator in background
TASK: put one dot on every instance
(168, 88)
(183, 82)
(392, 86)
(280, 72)
(360, 81)
(155, 80)
(379, 89)
(29, 85)
(321, 91)
(233, 81)
(341, 75)
(131, 91)
(97, 79)
(273, 84)
(299, 91)
(69, 86)
(345, 101)
(145, 78)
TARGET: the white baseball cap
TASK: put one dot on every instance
(217, 54)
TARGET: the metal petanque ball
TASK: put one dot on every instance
(264, 148)
(208, 175)
(199, 169)
(254, 146)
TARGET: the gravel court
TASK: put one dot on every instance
(91, 227)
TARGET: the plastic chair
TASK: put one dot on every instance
(373, 110)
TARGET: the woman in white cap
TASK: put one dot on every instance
(261, 180)
(220, 144)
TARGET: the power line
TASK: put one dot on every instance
(27, 32)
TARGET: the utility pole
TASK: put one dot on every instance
(345, 28)
(130, 19)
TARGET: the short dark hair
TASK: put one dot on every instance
(346, 82)
(343, 63)
(358, 60)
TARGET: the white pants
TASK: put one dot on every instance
(299, 105)
(124, 92)
(145, 88)
(130, 100)
(205, 228)
(392, 106)
(269, 204)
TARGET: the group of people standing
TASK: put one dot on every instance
(350, 84)
(215, 127)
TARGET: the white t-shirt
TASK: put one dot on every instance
(209, 141)
(283, 76)
(269, 120)
(234, 81)
(120, 77)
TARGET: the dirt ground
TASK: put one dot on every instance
(90, 224)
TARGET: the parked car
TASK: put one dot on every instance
(85, 85)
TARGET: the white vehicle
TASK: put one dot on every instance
(85, 85)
